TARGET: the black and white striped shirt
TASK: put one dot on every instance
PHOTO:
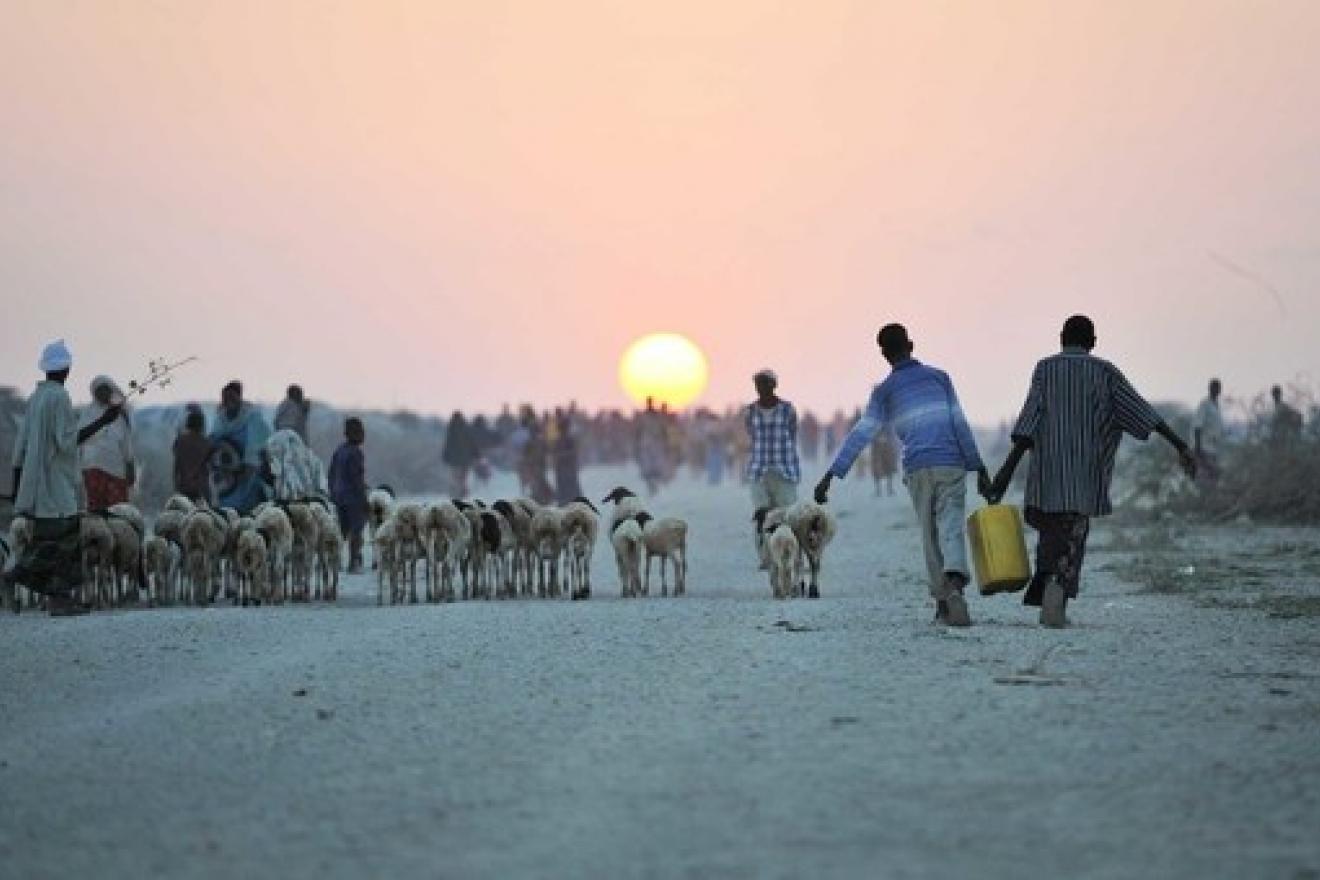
(1076, 412)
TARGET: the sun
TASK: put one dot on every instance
(666, 366)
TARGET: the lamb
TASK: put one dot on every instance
(667, 539)
(253, 568)
(329, 553)
(814, 527)
(380, 503)
(780, 551)
(546, 532)
(203, 542)
(448, 536)
(161, 560)
(274, 526)
(580, 523)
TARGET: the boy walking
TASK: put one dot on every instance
(918, 403)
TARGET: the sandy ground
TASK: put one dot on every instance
(1172, 732)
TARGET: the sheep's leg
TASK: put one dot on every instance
(664, 580)
(815, 576)
(646, 585)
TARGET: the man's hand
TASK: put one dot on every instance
(822, 493)
(1187, 460)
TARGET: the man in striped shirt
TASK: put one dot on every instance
(1076, 412)
(918, 402)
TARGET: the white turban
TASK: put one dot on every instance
(55, 357)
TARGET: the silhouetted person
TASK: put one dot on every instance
(565, 452)
(1286, 425)
(460, 453)
(192, 456)
(1208, 433)
(348, 489)
(293, 411)
(1076, 412)
(919, 404)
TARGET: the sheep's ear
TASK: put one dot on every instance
(643, 518)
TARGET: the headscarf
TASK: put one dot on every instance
(298, 472)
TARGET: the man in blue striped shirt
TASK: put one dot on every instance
(919, 404)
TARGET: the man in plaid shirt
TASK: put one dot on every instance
(772, 468)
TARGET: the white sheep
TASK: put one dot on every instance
(306, 535)
(814, 527)
(161, 560)
(409, 542)
(21, 535)
(253, 568)
(329, 553)
(448, 537)
(779, 550)
(380, 503)
(500, 544)
(203, 543)
(386, 547)
(581, 521)
(665, 539)
(626, 539)
(274, 526)
(129, 531)
(98, 557)
(547, 539)
(179, 504)
(518, 514)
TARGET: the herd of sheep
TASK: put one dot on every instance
(471, 550)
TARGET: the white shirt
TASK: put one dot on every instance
(47, 451)
(1210, 422)
(111, 448)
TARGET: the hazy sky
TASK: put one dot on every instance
(454, 204)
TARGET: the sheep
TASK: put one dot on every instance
(329, 553)
(179, 504)
(546, 532)
(385, 542)
(21, 534)
(474, 567)
(274, 526)
(814, 527)
(779, 550)
(409, 542)
(448, 537)
(626, 539)
(306, 534)
(126, 525)
(203, 542)
(581, 521)
(98, 550)
(250, 559)
(8, 594)
(667, 539)
(519, 517)
(626, 505)
(169, 525)
(500, 545)
(161, 559)
(380, 502)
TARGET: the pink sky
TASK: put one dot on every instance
(452, 205)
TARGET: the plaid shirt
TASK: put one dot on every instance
(774, 441)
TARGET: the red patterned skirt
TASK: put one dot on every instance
(104, 490)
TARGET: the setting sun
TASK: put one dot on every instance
(665, 366)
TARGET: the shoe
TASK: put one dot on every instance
(956, 613)
(941, 611)
(1052, 607)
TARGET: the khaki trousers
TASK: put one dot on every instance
(940, 497)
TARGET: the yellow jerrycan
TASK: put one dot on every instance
(999, 549)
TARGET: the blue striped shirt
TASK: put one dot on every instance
(919, 404)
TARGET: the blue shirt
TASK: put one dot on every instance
(919, 404)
